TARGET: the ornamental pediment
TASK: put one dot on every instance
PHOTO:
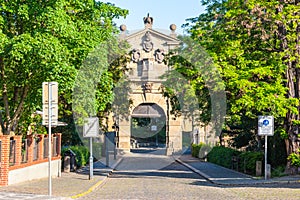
(149, 40)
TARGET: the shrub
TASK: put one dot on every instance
(295, 159)
(82, 154)
(196, 149)
(222, 156)
(278, 171)
(200, 150)
(248, 161)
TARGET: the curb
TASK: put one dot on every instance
(93, 187)
(208, 178)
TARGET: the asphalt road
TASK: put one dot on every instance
(146, 176)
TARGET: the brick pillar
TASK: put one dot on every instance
(58, 135)
(4, 167)
(30, 148)
(18, 153)
(41, 147)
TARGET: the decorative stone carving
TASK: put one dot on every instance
(135, 56)
(159, 55)
(173, 27)
(123, 27)
(147, 43)
(148, 21)
(147, 87)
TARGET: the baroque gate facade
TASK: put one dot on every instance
(148, 50)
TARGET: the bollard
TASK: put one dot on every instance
(268, 171)
(258, 168)
(67, 166)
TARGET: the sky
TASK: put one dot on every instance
(164, 12)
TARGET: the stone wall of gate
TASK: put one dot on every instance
(148, 50)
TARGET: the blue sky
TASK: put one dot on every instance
(164, 12)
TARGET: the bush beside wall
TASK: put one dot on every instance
(82, 154)
(223, 156)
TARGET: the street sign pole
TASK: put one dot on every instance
(266, 128)
(50, 113)
(91, 159)
(49, 138)
(90, 130)
(266, 153)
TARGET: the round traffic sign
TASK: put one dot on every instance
(266, 122)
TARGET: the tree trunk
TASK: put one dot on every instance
(293, 85)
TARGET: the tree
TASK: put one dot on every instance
(256, 46)
(194, 88)
(46, 41)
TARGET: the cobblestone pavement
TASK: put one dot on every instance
(223, 176)
(148, 174)
(21, 196)
(69, 185)
(138, 177)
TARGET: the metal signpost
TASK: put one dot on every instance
(91, 129)
(50, 116)
(266, 128)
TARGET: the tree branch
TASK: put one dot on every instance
(17, 113)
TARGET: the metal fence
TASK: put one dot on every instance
(54, 148)
(12, 152)
(46, 147)
(24, 150)
(36, 145)
(36, 148)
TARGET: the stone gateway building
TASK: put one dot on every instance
(150, 121)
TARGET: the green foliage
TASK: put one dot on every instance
(82, 154)
(200, 150)
(196, 149)
(277, 155)
(254, 45)
(141, 129)
(247, 161)
(278, 171)
(295, 159)
(46, 41)
(222, 156)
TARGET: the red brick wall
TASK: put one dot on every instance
(18, 139)
(30, 142)
(58, 135)
(4, 160)
(4, 165)
(41, 147)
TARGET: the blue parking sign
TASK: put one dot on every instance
(266, 125)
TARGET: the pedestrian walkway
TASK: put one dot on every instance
(69, 185)
(223, 176)
(25, 196)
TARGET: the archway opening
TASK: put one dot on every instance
(148, 127)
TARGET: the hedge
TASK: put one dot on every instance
(222, 156)
(247, 161)
(200, 150)
(82, 154)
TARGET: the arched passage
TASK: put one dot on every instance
(148, 126)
